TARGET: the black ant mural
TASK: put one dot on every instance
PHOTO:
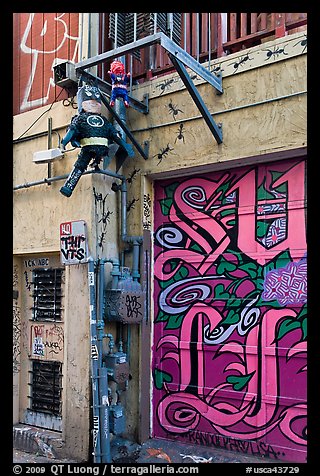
(103, 213)
(163, 153)
(166, 84)
(173, 109)
(131, 204)
(302, 43)
(105, 217)
(180, 131)
(216, 69)
(132, 176)
(275, 52)
(240, 62)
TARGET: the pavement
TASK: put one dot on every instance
(166, 451)
(123, 451)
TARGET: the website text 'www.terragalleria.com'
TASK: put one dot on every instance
(153, 468)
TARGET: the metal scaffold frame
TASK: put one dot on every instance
(180, 60)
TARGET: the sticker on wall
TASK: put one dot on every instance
(73, 242)
(46, 341)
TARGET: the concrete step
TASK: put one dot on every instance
(38, 441)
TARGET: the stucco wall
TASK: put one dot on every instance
(262, 110)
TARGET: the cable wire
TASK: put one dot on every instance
(41, 115)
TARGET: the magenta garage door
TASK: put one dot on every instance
(230, 291)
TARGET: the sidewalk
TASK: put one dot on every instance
(153, 451)
(165, 451)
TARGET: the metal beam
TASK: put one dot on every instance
(179, 58)
(169, 45)
(106, 88)
(173, 49)
(124, 127)
(215, 129)
(121, 50)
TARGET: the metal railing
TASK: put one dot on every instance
(205, 36)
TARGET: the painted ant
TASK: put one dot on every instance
(131, 204)
(180, 133)
(105, 217)
(276, 52)
(163, 152)
(241, 61)
(167, 84)
(302, 43)
(132, 175)
(173, 110)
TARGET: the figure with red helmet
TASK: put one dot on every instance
(120, 81)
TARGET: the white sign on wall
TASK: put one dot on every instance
(73, 242)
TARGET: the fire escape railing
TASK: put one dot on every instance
(180, 60)
(186, 40)
(204, 36)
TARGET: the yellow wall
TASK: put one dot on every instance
(262, 110)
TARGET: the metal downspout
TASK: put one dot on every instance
(96, 437)
(103, 375)
(135, 260)
(100, 322)
(110, 173)
(124, 236)
(137, 242)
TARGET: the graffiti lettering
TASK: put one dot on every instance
(95, 430)
(72, 242)
(146, 212)
(15, 279)
(246, 447)
(230, 309)
(94, 352)
(39, 43)
(28, 284)
(71, 254)
(133, 306)
(46, 340)
(38, 331)
(38, 347)
(72, 247)
(54, 347)
(30, 263)
(16, 339)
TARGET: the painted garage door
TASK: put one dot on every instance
(230, 290)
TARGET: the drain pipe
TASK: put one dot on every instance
(136, 241)
(96, 434)
(100, 322)
(115, 273)
(103, 375)
(124, 236)
(48, 180)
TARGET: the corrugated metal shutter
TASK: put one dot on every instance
(230, 292)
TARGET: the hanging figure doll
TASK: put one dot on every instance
(93, 133)
(120, 81)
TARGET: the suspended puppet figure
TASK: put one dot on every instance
(120, 81)
(93, 133)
